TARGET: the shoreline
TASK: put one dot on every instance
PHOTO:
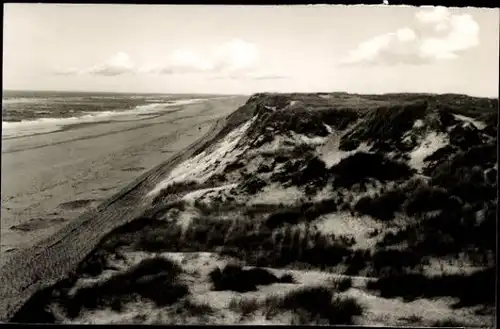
(19, 277)
(26, 271)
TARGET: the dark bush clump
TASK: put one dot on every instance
(253, 185)
(277, 219)
(153, 279)
(341, 284)
(235, 278)
(313, 211)
(303, 170)
(465, 136)
(395, 260)
(361, 166)
(234, 166)
(264, 168)
(439, 156)
(473, 289)
(424, 199)
(319, 303)
(287, 278)
(357, 261)
(385, 126)
(382, 207)
(31, 312)
(95, 264)
(448, 323)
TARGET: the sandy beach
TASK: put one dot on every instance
(50, 179)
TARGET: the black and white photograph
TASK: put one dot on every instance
(249, 165)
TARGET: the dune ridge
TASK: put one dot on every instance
(300, 196)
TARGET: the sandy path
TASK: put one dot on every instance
(94, 164)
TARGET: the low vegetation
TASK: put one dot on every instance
(362, 166)
(447, 209)
(153, 279)
(316, 304)
(341, 284)
(473, 289)
(235, 278)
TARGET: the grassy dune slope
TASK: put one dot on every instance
(308, 209)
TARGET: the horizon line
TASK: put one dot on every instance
(244, 94)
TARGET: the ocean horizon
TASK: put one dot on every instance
(26, 113)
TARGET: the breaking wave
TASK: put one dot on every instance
(46, 125)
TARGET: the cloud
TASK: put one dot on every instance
(231, 57)
(235, 57)
(436, 35)
(118, 64)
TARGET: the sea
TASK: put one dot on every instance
(27, 113)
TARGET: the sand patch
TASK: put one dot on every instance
(275, 194)
(208, 162)
(430, 144)
(478, 124)
(331, 154)
(358, 227)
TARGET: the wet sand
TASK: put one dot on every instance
(50, 179)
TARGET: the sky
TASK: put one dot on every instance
(249, 49)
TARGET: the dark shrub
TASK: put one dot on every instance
(385, 126)
(361, 166)
(382, 207)
(234, 166)
(339, 119)
(153, 279)
(314, 172)
(424, 199)
(33, 312)
(437, 157)
(313, 211)
(341, 284)
(465, 136)
(235, 278)
(349, 144)
(253, 184)
(304, 169)
(320, 303)
(287, 278)
(446, 118)
(357, 261)
(474, 289)
(281, 159)
(95, 264)
(286, 216)
(264, 168)
(449, 323)
(395, 259)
